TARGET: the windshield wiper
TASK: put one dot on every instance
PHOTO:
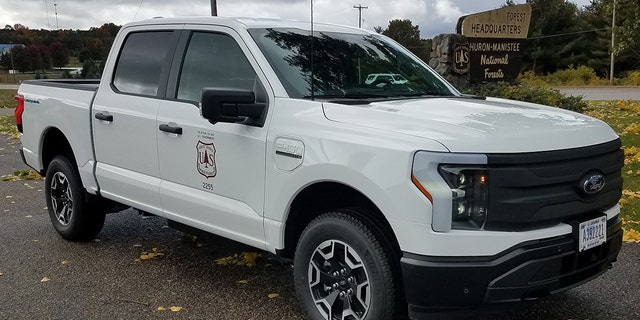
(427, 94)
(356, 95)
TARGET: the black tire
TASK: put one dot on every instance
(69, 210)
(341, 266)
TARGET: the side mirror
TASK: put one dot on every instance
(231, 105)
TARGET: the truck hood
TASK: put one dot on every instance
(478, 126)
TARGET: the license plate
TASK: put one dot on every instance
(592, 233)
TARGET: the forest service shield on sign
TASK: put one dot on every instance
(206, 162)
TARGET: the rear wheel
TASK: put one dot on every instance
(69, 210)
(342, 270)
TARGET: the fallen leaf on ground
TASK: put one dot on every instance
(65, 261)
(22, 175)
(150, 255)
(45, 279)
(243, 259)
(273, 295)
(175, 309)
(631, 235)
(162, 309)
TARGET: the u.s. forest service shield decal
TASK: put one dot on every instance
(206, 162)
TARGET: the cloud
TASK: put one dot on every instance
(447, 11)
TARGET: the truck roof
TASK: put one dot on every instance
(248, 23)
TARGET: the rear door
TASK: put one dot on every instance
(124, 119)
(213, 175)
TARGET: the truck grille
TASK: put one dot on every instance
(531, 190)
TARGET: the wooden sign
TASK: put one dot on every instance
(509, 22)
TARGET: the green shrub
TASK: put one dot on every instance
(572, 76)
(632, 79)
(528, 93)
(580, 76)
(531, 79)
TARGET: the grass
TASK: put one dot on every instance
(6, 78)
(6, 98)
(8, 126)
(624, 118)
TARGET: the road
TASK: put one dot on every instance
(603, 93)
(101, 279)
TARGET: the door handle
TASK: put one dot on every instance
(104, 117)
(170, 129)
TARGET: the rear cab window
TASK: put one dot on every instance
(141, 62)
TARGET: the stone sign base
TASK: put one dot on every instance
(450, 63)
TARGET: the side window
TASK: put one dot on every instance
(140, 62)
(213, 60)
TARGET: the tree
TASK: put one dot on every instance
(627, 47)
(59, 54)
(598, 52)
(20, 59)
(553, 40)
(5, 60)
(597, 44)
(408, 35)
(89, 70)
(35, 57)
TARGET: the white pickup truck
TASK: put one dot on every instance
(407, 198)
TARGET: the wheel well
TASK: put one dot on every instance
(53, 144)
(322, 197)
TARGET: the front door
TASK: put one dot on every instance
(212, 174)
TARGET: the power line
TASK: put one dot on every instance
(360, 7)
(566, 34)
(135, 15)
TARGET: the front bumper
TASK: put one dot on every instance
(527, 271)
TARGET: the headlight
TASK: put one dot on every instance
(469, 194)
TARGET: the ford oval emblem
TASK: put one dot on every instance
(592, 183)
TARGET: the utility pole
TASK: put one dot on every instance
(46, 7)
(360, 7)
(214, 8)
(613, 40)
(13, 66)
(55, 8)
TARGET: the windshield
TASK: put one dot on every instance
(345, 65)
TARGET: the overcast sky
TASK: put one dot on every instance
(432, 16)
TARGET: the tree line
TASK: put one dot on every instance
(35, 50)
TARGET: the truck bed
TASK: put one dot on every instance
(77, 84)
(62, 105)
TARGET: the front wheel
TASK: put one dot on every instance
(67, 202)
(342, 270)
